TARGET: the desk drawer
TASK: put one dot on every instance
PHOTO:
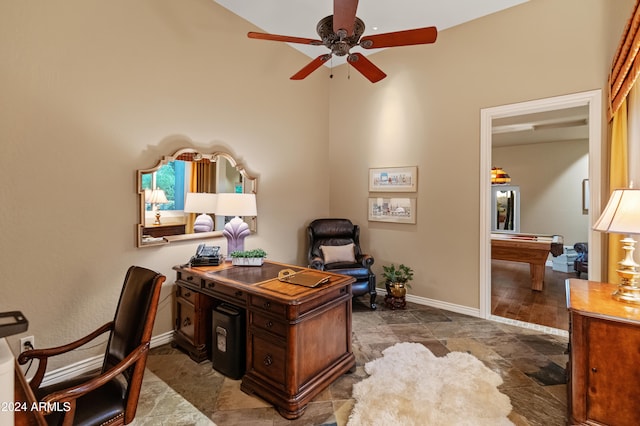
(265, 323)
(268, 359)
(186, 294)
(186, 320)
(189, 278)
(216, 289)
(269, 305)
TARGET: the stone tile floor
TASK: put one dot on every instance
(531, 363)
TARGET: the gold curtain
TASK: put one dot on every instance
(618, 178)
(626, 63)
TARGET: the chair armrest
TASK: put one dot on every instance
(366, 260)
(44, 354)
(75, 392)
(317, 263)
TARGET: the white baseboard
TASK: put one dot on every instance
(465, 310)
(93, 363)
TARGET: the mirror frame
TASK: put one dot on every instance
(250, 187)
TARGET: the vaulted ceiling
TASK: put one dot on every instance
(299, 18)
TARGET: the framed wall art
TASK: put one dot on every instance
(397, 210)
(393, 179)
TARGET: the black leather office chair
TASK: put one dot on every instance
(109, 397)
(334, 245)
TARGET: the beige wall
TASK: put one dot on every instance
(94, 90)
(427, 111)
(550, 178)
(91, 91)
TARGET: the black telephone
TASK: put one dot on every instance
(206, 256)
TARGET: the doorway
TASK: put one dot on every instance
(592, 100)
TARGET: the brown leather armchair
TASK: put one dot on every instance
(110, 396)
(329, 248)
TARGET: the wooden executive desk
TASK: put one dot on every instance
(298, 339)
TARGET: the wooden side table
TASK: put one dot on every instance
(604, 355)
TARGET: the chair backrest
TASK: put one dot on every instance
(332, 232)
(133, 323)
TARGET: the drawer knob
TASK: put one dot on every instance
(267, 360)
(211, 285)
(186, 322)
(239, 293)
(266, 305)
(187, 294)
(269, 324)
(593, 369)
(189, 278)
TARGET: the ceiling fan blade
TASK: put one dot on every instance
(287, 39)
(344, 16)
(400, 38)
(311, 67)
(366, 67)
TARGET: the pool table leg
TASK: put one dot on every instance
(537, 276)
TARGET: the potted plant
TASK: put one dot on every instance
(253, 257)
(397, 279)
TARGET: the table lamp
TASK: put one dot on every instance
(236, 230)
(622, 216)
(203, 203)
(157, 196)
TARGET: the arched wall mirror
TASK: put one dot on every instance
(177, 196)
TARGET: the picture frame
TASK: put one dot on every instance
(585, 196)
(392, 209)
(393, 179)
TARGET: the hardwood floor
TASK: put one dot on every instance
(512, 297)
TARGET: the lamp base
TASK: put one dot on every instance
(235, 232)
(628, 289)
(627, 293)
(628, 275)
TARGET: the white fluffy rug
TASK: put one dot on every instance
(411, 386)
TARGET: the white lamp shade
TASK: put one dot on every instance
(200, 202)
(232, 204)
(622, 213)
(157, 197)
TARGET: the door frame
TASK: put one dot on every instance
(592, 99)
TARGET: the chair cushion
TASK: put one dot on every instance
(333, 254)
(355, 270)
(97, 407)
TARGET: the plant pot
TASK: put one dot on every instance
(247, 261)
(397, 290)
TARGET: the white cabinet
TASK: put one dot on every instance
(505, 208)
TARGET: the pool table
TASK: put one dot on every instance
(533, 249)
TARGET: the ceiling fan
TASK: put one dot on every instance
(347, 33)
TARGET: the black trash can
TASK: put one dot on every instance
(228, 343)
